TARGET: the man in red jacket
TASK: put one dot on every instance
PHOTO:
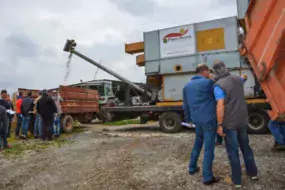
(18, 114)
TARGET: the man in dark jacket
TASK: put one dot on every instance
(200, 107)
(232, 117)
(26, 111)
(47, 109)
(3, 101)
(10, 115)
(3, 128)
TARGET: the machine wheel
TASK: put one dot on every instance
(258, 122)
(170, 122)
(111, 103)
(67, 123)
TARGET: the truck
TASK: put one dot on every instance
(169, 67)
(78, 104)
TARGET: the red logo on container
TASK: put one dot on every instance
(175, 36)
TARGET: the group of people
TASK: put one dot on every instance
(217, 106)
(43, 113)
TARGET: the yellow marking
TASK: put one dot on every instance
(169, 103)
(248, 101)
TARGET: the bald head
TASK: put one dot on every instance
(203, 69)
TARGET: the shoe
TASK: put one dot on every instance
(277, 147)
(193, 172)
(23, 137)
(254, 178)
(229, 181)
(219, 144)
(214, 180)
(8, 146)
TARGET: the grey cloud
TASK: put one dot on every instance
(32, 42)
(136, 7)
(21, 45)
(49, 52)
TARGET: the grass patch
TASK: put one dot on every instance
(123, 122)
(21, 146)
(34, 146)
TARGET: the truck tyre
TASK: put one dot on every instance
(170, 122)
(67, 123)
(258, 122)
(143, 120)
(111, 103)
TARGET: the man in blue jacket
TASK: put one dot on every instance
(199, 106)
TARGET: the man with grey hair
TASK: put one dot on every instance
(232, 117)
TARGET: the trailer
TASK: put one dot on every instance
(78, 104)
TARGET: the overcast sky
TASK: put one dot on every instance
(33, 33)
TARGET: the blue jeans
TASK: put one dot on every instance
(25, 124)
(56, 125)
(235, 139)
(3, 136)
(9, 121)
(19, 123)
(277, 129)
(38, 126)
(204, 134)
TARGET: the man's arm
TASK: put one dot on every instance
(185, 107)
(220, 115)
(220, 98)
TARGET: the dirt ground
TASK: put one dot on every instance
(133, 157)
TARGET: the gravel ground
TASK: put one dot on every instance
(134, 157)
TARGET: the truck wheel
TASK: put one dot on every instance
(67, 123)
(111, 103)
(170, 122)
(258, 122)
(143, 120)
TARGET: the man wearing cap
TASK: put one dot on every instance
(232, 117)
(199, 106)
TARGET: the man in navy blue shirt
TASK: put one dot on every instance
(199, 107)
